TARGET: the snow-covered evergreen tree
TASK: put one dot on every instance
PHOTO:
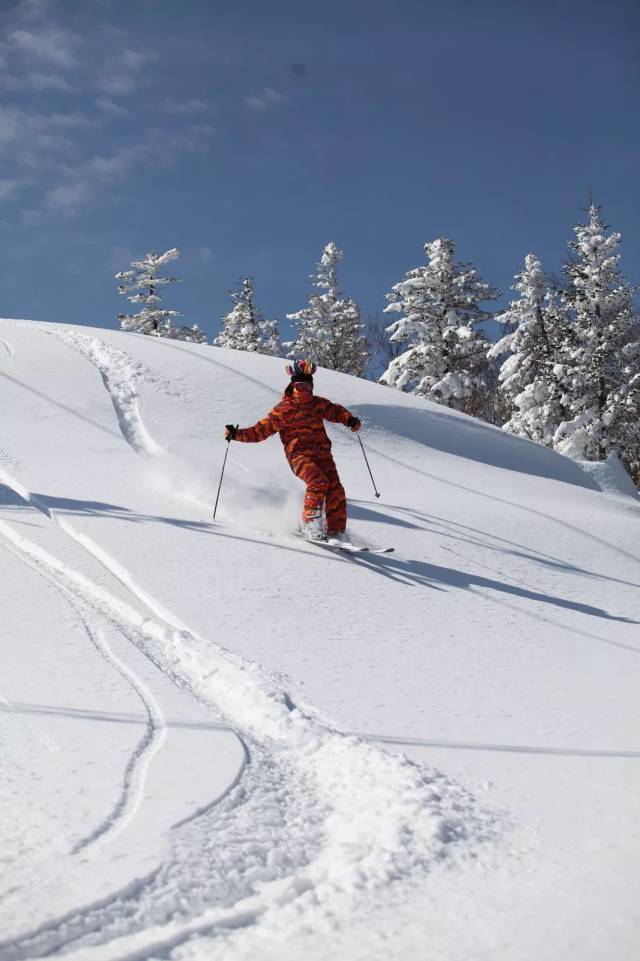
(244, 327)
(140, 286)
(439, 305)
(602, 365)
(330, 328)
(530, 386)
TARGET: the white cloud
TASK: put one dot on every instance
(121, 74)
(68, 159)
(86, 180)
(193, 138)
(109, 106)
(171, 105)
(135, 59)
(117, 85)
(200, 130)
(205, 254)
(48, 81)
(38, 141)
(116, 165)
(49, 45)
(265, 99)
(68, 198)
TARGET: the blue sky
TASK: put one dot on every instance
(250, 133)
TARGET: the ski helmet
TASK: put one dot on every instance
(301, 368)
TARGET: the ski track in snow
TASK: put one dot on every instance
(137, 767)
(309, 795)
(119, 373)
(155, 733)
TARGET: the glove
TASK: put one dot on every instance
(230, 432)
(354, 424)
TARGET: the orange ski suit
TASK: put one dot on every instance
(298, 418)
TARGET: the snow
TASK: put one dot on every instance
(218, 740)
(611, 477)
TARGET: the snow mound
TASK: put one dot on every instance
(610, 476)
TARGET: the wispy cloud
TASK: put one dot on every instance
(48, 81)
(192, 106)
(86, 181)
(113, 166)
(121, 74)
(60, 161)
(112, 108)
(68, 199)
(31, 138)
(268, 97)
(50, 45)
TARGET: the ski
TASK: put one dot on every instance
(359, 548)
(345, 546)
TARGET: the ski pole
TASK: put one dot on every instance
(368, 468)
(226, 453)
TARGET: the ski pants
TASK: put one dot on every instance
(320, 475)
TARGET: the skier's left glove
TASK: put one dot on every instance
(354, 424)
(230, 432)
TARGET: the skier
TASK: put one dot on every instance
(298, 418)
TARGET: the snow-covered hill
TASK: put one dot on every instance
(220, 741)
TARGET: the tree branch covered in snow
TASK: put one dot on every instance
(330, 328)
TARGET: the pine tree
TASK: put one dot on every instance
(530, 386)
(440, 307)
(330, 328)
(140, 286)
(602, 366)
(244, 327)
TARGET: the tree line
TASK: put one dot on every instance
(565, 373)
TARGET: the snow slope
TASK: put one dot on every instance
(217, 740)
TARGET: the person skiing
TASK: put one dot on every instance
(298, 418)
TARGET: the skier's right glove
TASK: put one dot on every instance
(354, 424)
(230, 431)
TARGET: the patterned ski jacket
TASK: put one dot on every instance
(299, 419)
